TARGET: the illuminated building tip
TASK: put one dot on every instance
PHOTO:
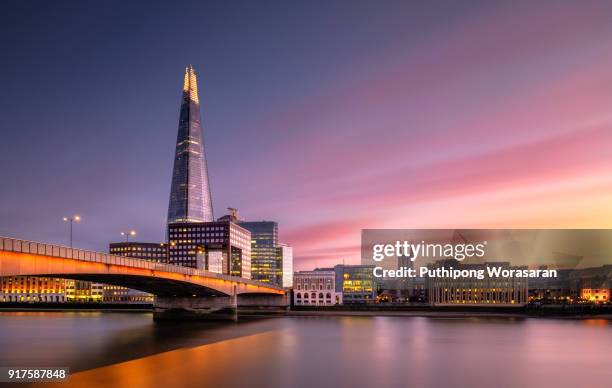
(190, 84)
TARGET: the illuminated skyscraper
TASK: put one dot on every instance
(190, 199)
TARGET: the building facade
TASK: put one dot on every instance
(356, 283)
(445, 291)
(266, 265)
(84, 292)
(190, 198)
(285, 255)
(271, 261)
(219, 246)
(315, 288)
(32, 289)
(156, 252)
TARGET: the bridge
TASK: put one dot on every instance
(180, 292)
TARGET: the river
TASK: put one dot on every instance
(108, 349)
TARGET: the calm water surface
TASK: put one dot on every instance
(104, 349)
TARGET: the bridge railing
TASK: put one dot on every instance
(36, 248)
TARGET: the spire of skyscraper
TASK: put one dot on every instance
(190, 198)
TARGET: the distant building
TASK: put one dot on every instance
(596, 295)
(474, 291)
(285, 255)
(156, 252)
(315, 288)
(32, 289)
(271, 261)
(218, 246)
(356, 283)
(553, 290)
(266, 264)
(84, 292)
(584, 285)
(594, 284)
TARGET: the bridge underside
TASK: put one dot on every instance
(155, 286)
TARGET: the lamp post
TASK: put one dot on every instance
(128, 234)
(75, 218)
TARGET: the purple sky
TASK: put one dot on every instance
(327, 117)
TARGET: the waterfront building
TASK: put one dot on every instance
(316, 288)
(266, 264)
(596, 295)
(552, 290)
(156, 252)
(284, 253)
(592, 285)
(32, 289)
(218, 246)
(271, 261)
(190, 198)
(356, 283)
(502, 291)
(83, 291)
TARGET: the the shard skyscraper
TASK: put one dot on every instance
(190, 199)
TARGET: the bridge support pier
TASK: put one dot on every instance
(213, 308)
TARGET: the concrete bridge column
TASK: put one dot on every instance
(214, 308)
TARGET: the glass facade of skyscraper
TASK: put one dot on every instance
(266, 264)
(190, 198)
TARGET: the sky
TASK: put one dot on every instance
(325, 116)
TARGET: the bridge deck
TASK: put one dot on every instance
(112, 265)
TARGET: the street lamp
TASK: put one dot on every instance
(75, 218)
(128, 234)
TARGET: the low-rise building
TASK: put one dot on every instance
(446, 291)
(315, 288)
(356, 283)
(32, 289)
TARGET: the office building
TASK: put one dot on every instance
(156, 252)
(32, 289)
(498, 291)
(356, 283)
(271, 261)
(190, 198)
(84, 292)
(219, 246)
(316, 288)
(285, 256)
(266, 264)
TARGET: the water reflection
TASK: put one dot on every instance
(318, 352)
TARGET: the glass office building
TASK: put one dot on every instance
(266, 265)
(356, 282)
(156, 252)
(190, 199)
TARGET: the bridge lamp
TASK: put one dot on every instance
(71, 220)
(127, 235)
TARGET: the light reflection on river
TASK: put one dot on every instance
(311, 351)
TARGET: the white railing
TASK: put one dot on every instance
(23, 246)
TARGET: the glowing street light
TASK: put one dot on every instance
(75, 218)
(128, 234)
